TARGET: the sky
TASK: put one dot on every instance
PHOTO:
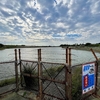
(49, 22)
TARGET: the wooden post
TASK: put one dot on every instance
(40, 74)
(94, 54)
(16, 69)
(68, 75)
(67, 55)
(70, 57)
(96, 83)
(96, 70)
(20, 68)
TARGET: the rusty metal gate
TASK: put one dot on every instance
(50, 84)
(53, 81)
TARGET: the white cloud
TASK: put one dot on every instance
(95, 7)
(49, 21)
(60, 25)
(80, 24)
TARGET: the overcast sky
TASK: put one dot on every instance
(49, 22)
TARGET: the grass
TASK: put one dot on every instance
(76, 84)
(52, 71)
(29, 81)
(7, 82)
(87, 48)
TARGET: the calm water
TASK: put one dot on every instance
(49, 54)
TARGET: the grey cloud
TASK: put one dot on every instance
(44, 16)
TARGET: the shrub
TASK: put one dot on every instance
(76, 84)
(29, 80)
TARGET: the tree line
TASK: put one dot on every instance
(86, 44)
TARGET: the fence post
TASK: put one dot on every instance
(67, 55)
(16, 69)
(70, 57)
(20, 67)
(96, 70)
(96, 77)
(40, 74)
(68, 77)
(94, 54)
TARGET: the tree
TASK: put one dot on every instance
(88, 44)
(1, 45)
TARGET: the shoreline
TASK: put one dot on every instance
(3, 48)
(95, 49)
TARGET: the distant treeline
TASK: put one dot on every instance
(87, 44)
(2, 46)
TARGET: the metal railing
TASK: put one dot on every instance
(58, 81)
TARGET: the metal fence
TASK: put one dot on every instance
(53, 79)
(49, 80)
(77, 82)
(7, 76)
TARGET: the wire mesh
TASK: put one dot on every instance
(30, 74)
(53, 55)
(98, 86)
(7, 55)
(7, 76)
(29, 54)
(80, 56)
(77, 83)
(53, 81)
(7, 70)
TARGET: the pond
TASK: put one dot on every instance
(49, 54)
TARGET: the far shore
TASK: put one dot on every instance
(19, 46)
(87, 48)
(95, 49)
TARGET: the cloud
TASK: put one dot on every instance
(49, 22)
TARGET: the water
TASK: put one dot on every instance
(49, 54)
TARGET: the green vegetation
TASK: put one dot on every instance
(7, 82)
(86, 44)
(52, 71)
(28, 69)
(2, 46)
(76, 84)
(29, 80)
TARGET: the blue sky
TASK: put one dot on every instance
(49, 22)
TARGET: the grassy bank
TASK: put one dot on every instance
(96, 49)
(7, 82)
